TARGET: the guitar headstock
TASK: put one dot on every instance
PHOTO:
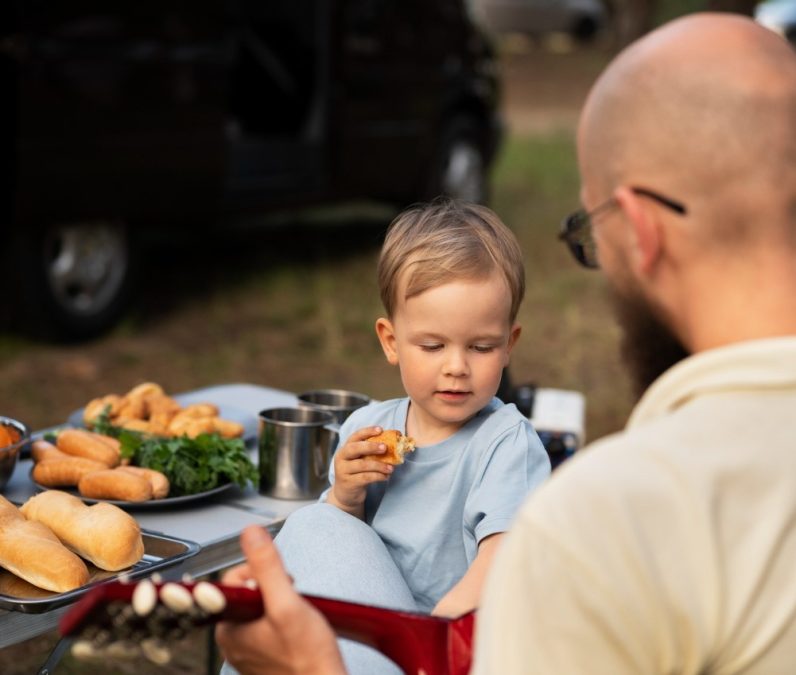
(142, 619)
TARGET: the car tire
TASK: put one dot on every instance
(459, 169)
(74, 279)
(584, 29)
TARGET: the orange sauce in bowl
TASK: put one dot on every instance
(8, 435)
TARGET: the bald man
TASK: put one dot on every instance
(670, 547)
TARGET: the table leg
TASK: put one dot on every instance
(55, 656)
(212, 648)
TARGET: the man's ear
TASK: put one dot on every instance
(647, 232)
(386, 334)
(516, 329)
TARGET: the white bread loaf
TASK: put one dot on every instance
(31, 551)
(16, 587)
(102, 534)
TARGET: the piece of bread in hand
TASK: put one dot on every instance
(397, 446)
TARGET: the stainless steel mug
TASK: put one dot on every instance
(294, 450)
(339, 402)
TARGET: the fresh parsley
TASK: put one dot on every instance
(192, 465)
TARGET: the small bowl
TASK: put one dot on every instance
(10, 453)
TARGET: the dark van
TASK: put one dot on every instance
(120, 117)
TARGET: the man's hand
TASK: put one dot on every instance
(292, 637)
(354, 471)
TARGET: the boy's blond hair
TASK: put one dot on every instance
(444, 241)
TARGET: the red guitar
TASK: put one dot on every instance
(143, 617)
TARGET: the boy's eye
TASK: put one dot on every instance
(483, 349)
(431, 347)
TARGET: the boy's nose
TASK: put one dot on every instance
(456, 364)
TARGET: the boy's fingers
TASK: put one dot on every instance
(371, 477)
(365, 433)
(362, 449)
(372, 466)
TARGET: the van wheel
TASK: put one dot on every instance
(460, 167)
(584, 29)
(76, 278)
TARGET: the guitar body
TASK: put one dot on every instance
(114, 612)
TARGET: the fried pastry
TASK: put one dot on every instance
(397, 446)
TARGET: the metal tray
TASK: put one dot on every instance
(160, 552)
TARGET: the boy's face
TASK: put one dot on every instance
(451, 344)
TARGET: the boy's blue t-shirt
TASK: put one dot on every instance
(445, 498)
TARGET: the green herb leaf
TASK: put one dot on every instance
(192, 465)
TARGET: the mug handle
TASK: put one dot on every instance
(321, 466)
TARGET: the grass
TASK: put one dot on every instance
(569, 336)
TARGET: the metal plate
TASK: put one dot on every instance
(162, 503)
(160, 553)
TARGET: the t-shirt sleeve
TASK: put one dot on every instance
(511, 468)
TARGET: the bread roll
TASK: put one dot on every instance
(397, 446)
(87, 444)
(144, 390)
(115, 443)
(116, 484)
(17, 587)
(226, 428)
(64, 471)
(197, 410)
(191, 426)
(102, 533)
(158, 481)
(133, 424)
(41, 450)
(97, 406)
(31, 551)
(162, 408)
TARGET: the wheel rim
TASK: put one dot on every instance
(86, 265)
(464, 172)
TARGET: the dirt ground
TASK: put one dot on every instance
(545, 84)
(543, 91)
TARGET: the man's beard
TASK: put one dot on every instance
(648, 347)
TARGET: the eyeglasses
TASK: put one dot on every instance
(576, 228)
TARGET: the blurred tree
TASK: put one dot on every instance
(631, 18)
(740, 6)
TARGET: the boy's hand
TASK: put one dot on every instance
(354, 471)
